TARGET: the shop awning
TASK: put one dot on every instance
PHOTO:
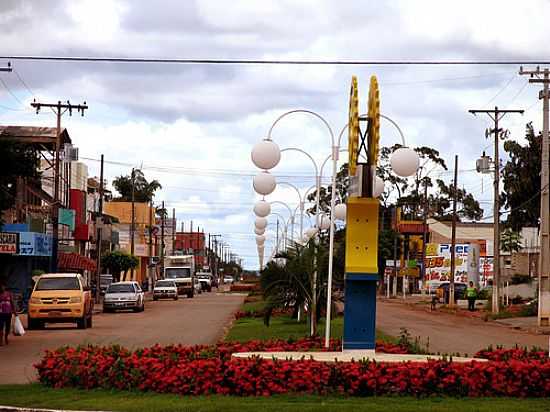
(74, 261)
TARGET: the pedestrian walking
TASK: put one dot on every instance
(471, 295)
(7, 309)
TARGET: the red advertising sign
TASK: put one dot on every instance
(8, 243)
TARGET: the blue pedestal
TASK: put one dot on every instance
(360, 311)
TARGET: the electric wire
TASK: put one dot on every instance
(10, 91)
(23, 82)
(502, 89)
(240, 61)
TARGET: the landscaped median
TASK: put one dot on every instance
(206, 370)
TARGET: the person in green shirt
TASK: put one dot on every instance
(471, 295)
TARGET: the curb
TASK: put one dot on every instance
(4, 408)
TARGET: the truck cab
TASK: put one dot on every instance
(180, 269)
(60, 298)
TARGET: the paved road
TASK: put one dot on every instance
(449, 333)
(201, 320)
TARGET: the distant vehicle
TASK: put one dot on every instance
(206, 280)
(197, 285)
(105, 280)
(60, 298)
(442, 292)
(228, 279)
(181, 269)
(124, 295)
(165, 288)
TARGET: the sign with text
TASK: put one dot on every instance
(35, 244)
(9, 243)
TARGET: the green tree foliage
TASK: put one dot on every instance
(440, 203)
(18, 160)
(144, 191)
(118, 262)
(521, 177)
(510, 241)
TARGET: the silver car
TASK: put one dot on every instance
(124, 295)
(165, 288)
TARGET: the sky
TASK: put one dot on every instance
(192, 127)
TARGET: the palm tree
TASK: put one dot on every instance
(510, 241)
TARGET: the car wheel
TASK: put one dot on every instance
(210, 289)
(190, 295)
(155, 298)
(176, 297)
(81, 323)
(32, 324)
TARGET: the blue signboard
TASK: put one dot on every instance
(35, 244)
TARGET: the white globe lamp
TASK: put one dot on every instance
(259, 232)
(378, 187)
(266, 154)
(264, 183)
(262, 208)
(260, 223)
(340, 211)
(404, 162)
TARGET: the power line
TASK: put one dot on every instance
(10, 91)
(280, 61)
(502, 89)
(23, 82)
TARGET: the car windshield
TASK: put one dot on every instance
(205, 276)
(121, 288)
(166, 283)
(174, 273)
(67, 283)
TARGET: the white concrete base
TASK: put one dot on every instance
(349, 356)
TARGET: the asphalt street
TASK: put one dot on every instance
(201, 320)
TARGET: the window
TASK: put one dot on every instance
(121, 288)
(67, 283)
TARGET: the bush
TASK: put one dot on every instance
(205, 370)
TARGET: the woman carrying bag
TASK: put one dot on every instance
(7, 309)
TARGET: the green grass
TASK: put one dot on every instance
(37, 396)
(284, 327)
(256, 306)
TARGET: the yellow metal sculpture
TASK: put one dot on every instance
(362, 212)
(353, 127)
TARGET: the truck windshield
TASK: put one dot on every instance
(68, 283)
(174, 273)
(166, 283)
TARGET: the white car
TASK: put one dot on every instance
(228, 279)
(205, 279)
(165, 288)
(124, 295)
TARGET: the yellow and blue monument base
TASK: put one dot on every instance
(361, 274)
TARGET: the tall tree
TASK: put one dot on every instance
(119, 263)
(521, 177)
(144, 191)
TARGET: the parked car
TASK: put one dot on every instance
(60, 298)
(205, 279)
(124, 295)
(442, 291)
(165, 288)
(228, 279)
(105, 280)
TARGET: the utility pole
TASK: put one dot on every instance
(174, 225)
(215, 255)
(150, 247)
(424, 233)
(162, 221)
(59, 109)
(99, 224)
(543, 76)
(133, 223)
(496, 115)
(453, 240)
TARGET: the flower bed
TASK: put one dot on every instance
(203, 370)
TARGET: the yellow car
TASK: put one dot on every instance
(60, 298)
